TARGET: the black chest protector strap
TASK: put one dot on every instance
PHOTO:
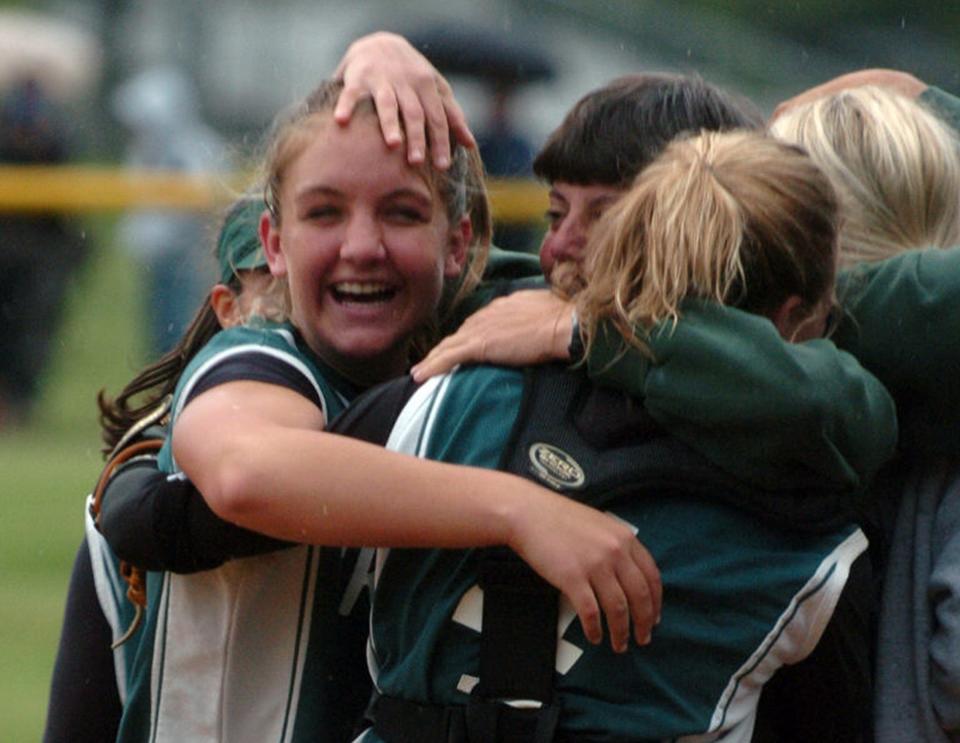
(518, 643)
(596, 446)
(590, 444)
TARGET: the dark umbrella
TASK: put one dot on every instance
(504, 59)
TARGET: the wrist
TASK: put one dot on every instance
(511, 512)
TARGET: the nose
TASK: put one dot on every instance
(362, 239)
(566, 243)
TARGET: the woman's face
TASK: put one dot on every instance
(365, 245)
(574, 209)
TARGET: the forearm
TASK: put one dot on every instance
(322, 488)
(159, 523)
(276, 473)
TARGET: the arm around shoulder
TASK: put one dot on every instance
(725, 382)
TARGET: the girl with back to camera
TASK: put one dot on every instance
(895, 166)
(721, 218)
(249, 651)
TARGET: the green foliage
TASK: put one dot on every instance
(812, 19)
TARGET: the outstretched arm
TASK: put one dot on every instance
(723, 381)
(271, 473)
(769, 411)
(405, 87)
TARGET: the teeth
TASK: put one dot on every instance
(353, 287)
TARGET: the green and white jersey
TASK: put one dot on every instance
(253, 650)
(740, 597)
(111, 591)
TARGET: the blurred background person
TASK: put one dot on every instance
(160, 109)
(503, 67)
(41, 252)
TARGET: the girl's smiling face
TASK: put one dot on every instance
(365, 245)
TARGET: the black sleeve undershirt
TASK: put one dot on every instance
(161, 522)
(255, 367)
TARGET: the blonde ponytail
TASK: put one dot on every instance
(736, 218)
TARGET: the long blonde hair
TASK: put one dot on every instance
(737, 218)
(895, 165)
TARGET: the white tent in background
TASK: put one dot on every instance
(64, 58)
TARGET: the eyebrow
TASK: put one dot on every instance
(316, 191)
(399, 193)
(424, 196)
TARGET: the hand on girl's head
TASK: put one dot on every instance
(404, 86)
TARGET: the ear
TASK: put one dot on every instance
(457, 248)
(225, 306)
(270, 240)
(789, 316)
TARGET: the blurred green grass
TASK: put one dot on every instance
(49, 466)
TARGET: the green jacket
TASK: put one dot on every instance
(708, 388)
(903, 324)
(724, 381)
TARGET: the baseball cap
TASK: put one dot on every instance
(238, 245)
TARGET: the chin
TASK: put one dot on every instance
(371, 357)
(568, 278)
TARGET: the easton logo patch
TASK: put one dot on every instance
(555, 467)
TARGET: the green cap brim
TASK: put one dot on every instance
(238, 245)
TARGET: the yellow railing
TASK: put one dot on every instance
(77, 189)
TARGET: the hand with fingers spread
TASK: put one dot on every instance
(595, 560)
(405, 87)
(527, 327)
(901, 82)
